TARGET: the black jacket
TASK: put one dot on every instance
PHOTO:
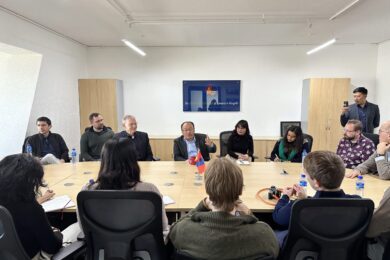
(372, 114)
(141, 141)
(61, 151)
(180, 148)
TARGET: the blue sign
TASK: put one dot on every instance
(211, 96)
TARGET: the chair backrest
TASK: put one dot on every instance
(286, 124)
(184, 256)
(309, 139)
(373, 137)
(223, 141)
(386, 252)
(117, 223)
(328, 229)
(10, 246)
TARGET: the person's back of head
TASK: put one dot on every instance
(21, 176)
(119, 168)
(224, 183)
(326, 167)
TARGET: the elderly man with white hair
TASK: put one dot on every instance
(378, 163)
(139, 139)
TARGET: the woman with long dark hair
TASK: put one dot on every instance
(290, 147)
(21, 177)
(240, 143)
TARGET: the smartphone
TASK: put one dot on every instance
(345, 103)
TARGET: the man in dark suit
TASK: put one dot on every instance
(140, 139)
(187, 145)
(362, 110)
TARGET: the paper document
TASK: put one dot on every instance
(242, 162)
(58, 203)
(168, 200)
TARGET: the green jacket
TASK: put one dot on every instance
(91, 143)
(219, 235)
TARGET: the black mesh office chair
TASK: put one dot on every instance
(184, 256)
(223, 144)
(309, 139)
(12, 249)
(328, 229)
(373, 137)
(121, 224)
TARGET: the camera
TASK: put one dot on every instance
(273, 192)
(345, 103)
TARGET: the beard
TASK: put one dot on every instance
(349, 138)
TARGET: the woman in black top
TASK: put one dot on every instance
(21, 177)
(290, 147)
(240, 143)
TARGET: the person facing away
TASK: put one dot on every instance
(140, 139)
(354, 148)
(362, 110)
(21, 177)
(94, 137)
(49, 147)
(240, 143)
(119, 170)
(188, 144)
(325, 172)
(221, 226)
(290, 147)
(378, 163)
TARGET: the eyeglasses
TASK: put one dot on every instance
(383, 131)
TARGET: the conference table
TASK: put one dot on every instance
(177, 180)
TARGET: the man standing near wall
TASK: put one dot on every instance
(362, 110)
(94, 137)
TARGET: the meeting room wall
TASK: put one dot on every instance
(383, 80)
(56, 95)
(271, 81)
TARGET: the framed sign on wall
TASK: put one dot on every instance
(211, 95)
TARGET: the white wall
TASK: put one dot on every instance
(63, 63)
(19, 70)
(271, 81)
(383, 80)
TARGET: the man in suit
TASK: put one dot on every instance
(48, 146)
(362, 110)
(94, 137)
(140, 139)
(187, 145)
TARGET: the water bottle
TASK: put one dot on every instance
(73, 155)
(360, 186)
(303, 181)
(28, 149)
(198, 179)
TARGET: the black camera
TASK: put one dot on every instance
(273, 192)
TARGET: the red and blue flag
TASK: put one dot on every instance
(199, 162)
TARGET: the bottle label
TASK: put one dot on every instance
(303, 183)
(360, 185)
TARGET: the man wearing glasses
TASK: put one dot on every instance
(354, 148)
(379, 161)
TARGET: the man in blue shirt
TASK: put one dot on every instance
(186, 146)
(362, 110)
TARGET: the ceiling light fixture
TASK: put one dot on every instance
(343, 10)
(133, 47)
(326, 44)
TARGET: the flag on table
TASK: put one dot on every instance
(199, 162)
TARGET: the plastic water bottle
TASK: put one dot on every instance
(360, 186)
(73, 155)
(303, 181)
(198, 179)
(28, 149)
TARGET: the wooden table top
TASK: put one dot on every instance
(176, 179)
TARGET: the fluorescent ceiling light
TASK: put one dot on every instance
(326, 44)
(343, 10)
(133, 47)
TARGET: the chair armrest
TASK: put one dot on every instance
(155, 158)
(69, 251)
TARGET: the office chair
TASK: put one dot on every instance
(11, 248)
(309, 139)
(179, 255)
(223, 144)
(122, 224)
(284, 125)
(373, 137)
(328, 229)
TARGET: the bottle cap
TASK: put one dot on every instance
(303, 175)
(360, 177)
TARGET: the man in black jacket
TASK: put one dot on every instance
(362, 110)
(139, 139)
(48, 146)
(187, 145)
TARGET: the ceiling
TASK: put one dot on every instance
(207, 22)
